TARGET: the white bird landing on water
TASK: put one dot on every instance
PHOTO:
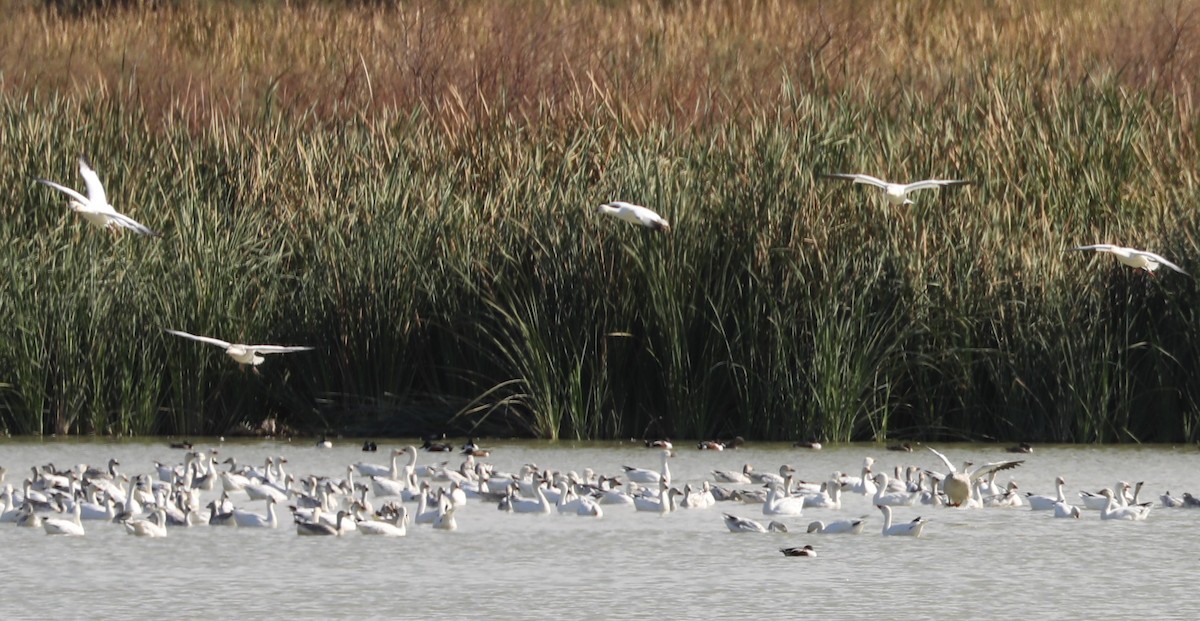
(897, 193)
(243, 354)
(635, 214)
(95, 207)
(1133, 258)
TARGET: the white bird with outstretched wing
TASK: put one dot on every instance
(243, 354)
(95, 207)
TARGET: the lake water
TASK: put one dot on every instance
(972, 564)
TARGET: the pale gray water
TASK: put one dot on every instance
(975, 564)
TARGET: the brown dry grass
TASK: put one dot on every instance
(688, 63)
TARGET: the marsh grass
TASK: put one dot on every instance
(414, 196)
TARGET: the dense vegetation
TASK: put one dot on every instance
(411, 189)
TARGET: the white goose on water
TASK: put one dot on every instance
(391, 471)
(95, 207)
(828, 497)
(635, 214)
(1114, 512)
(153, 526)
(1138, 259)
(907, 529)
(779, 503)
(733, 476)
(737, 524)
(240, 352)
(397, 526)
(62, 526)
(1098, 501)
(1046, 503)
(249, 519)
(662, 504)
(837, 527)
(891, 499)
(643, 475)
(896, 193)
(1064, 510)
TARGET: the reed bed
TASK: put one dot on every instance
(410, 188)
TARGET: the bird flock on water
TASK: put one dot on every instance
(388, 499)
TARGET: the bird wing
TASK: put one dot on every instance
(202, 339)
(995, 466)
(65, 190)
(95, 189)
(949, 466)
(276, 349)
(867, 179)
(1097, 247)
(131, 224)
(933, 183)
(1159, 258)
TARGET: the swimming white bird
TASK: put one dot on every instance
(635, 214)
(910, 529)
(892, 499)
(733, 476)
(1046, 503)
(1097, 501)
(837, 527)
(392, 470)
(737, 524)
(395, 527)
(1132, 512)
(61, 526)
(249, 519)
(1064, 510)
(828, 497)
(155, 526)
(241, 353)
(445, 519)
(95, 207)
(957, 485)
(662, 504)
(897, 193)
(539, 504)
(644, 475)
(1134, 258)
(779, 503)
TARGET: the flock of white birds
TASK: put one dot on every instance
(386, 499)
(96, 209)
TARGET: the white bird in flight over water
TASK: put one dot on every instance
(1133, 258)
(243, 354)
(897, 193)
(95, 207)
(636, 214)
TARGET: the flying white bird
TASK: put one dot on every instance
(243, 354)
(635, 214)
(95, 207)
(1133, 258)
(897, 193)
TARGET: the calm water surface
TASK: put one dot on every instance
(973, 564)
